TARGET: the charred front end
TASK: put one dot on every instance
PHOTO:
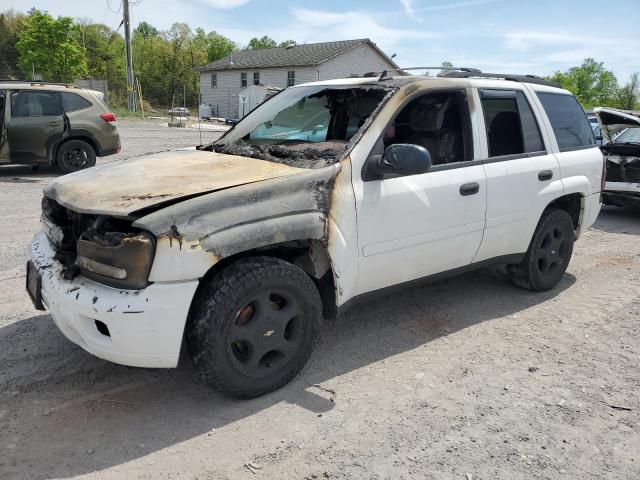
(102, 248)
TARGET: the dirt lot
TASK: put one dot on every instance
(465, 378)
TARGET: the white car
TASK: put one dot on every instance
(622, 154)
(245, 244)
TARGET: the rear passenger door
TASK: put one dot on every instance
(523, 175)
(4, 144)
(35, 125)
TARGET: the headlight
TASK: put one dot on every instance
(121, 260)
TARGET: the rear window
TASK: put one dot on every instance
(511, 126)
(569, 122)
(72, 102)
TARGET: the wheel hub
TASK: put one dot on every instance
(265, 333)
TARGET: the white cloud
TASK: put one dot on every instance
(450, 6)
(409, 10)
(351, 24)
(225, 4)
(522, 41)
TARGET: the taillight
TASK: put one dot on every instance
(604, 172)
(108, 117)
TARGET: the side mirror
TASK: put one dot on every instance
(402, 159)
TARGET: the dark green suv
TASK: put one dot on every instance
(55, 124)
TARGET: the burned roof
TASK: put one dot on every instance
(297, 55)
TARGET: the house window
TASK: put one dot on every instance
(256, 78)
(243, 79)
(291, 78)
(214, 80)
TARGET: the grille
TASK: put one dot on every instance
(624, 173)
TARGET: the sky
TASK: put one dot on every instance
(514, 36)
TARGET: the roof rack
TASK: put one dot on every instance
(468, 72)
(502, 76)
(40, 82)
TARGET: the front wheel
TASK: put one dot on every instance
(74, 155)
(253, 326)
(549, 253)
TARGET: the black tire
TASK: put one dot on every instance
(549, 252)
(74, 155)
(253, 326)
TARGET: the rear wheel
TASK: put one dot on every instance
(253, 326)
(74, 155)
(549, 253)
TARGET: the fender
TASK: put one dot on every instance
(195, 234)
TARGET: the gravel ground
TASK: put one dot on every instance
(465, 378)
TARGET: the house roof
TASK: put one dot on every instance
(298, 55)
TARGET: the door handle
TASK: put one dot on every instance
(53, 124)
(544, 175)
(469, 189)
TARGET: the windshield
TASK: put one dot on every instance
(306, 127)
(630, 135)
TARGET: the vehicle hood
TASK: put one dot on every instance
(123, 187)
(615, 120)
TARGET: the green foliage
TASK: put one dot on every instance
(628, 96)
(263, 42)
(146, 30)
(219, 46)
(11, 24)
(267, 42)
(591, 83)
(51, 47)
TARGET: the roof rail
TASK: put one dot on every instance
(40, 82)
(503, 76)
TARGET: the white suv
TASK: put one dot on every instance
(325, 193)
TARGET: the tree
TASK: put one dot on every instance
(627, 96)
(446, 67)
(263, 42)
(11, 24)
(288, 43)
(146, 30)
(50, 46)
(591, 83)
(219, 46)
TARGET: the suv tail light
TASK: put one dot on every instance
(108, 117)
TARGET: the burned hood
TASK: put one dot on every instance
(123, 187)
(613, 121)
(610, 117)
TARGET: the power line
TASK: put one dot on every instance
(112, 10)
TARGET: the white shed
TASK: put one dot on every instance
(252, 96)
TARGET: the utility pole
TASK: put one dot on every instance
(131, 96)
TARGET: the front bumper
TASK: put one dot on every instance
(622, 194)
(145, 326)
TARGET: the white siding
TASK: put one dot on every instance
(225, 96)
(358, 60)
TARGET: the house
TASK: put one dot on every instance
(221, 81)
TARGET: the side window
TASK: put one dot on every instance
(291, 78)
(34, 103)
(437, 121)
(243, 79)
(72, 102)
(214, 80)
(511, 126)
(569, 122)
(256, 78)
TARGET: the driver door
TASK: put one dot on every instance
(415, 226)
(35, 125)
(4, 143)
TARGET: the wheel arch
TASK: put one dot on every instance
(310, 255)
(74, 136)
(572, 203)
